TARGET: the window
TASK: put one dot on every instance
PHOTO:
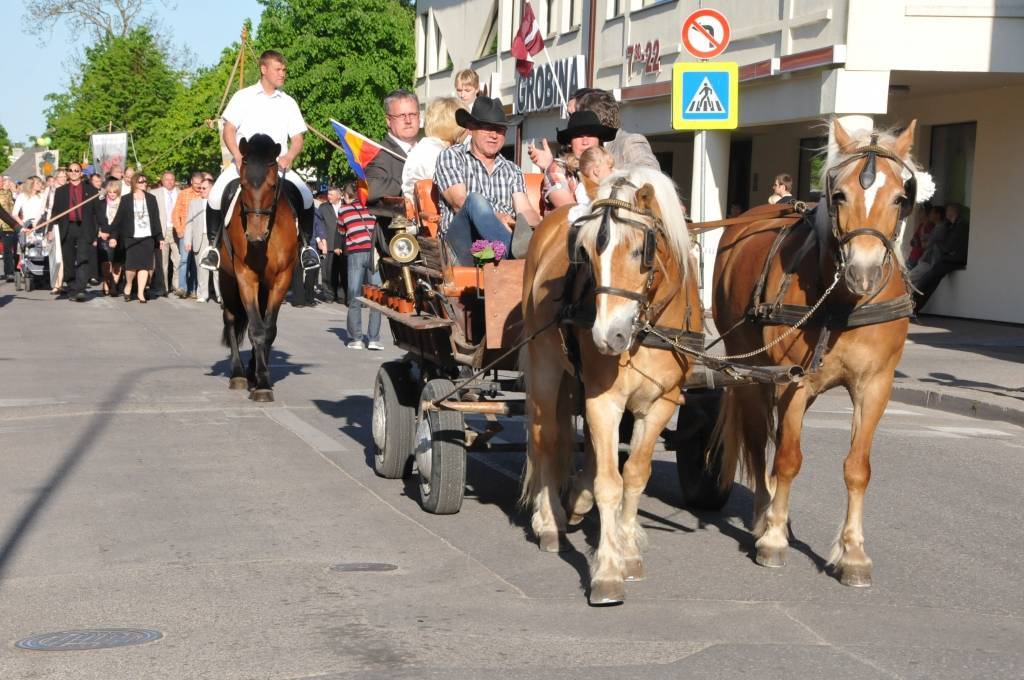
(489, 45)
(812, 160)
(616, 8)
(952, 162)
(421, 44)
(548, 22)
(572, 14)
(444, 61)
(515, 13)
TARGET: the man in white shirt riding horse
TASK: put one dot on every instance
(264, 108)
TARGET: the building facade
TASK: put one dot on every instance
(956, 66)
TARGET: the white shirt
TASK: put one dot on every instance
(421, 163)
(406, 147)
(252, 111)
(142, 226)
(29, 207)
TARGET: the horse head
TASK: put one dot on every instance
(261, 185)
(871, 185)
(634, 237)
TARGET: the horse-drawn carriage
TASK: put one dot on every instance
(461, 327)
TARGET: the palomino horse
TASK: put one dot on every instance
(857, 335)
(634, 247)
(258, 250)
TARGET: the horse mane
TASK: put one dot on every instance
(260, 152)
(886, 138)
(673, 220)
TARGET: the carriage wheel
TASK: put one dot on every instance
(394, 420)
(440, 453)
(699, 472)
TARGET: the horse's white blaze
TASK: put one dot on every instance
(869, 193)
(606, 279)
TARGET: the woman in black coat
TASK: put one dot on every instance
(137, 226)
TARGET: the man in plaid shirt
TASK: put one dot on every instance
(484, 193)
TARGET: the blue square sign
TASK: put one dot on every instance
(705, 96)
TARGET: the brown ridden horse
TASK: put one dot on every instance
(871, 183)
(258, 252)
(634, 247)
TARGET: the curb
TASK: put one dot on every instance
(953, 403)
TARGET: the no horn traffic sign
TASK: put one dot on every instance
(705, 33)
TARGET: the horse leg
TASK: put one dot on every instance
(774, 539)
(635, 475)
(234, 323)
(258, 362)
(581, 495)
(546, 465)
(606, 583)
(851, 562)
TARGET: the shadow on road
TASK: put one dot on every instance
(280, 362)
(97, 424)
(357, 411)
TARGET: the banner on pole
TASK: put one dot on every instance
(108, 149)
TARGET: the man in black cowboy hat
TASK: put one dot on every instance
(484, 193)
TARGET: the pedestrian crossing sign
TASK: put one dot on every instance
(705, 95)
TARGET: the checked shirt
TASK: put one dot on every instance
(457, 165)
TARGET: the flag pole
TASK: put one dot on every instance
(558, 85)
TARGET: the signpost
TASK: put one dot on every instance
(705, 98)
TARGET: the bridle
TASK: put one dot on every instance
(866, 179)
(604, 208)
(270, 213)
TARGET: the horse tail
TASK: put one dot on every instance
(743, 431)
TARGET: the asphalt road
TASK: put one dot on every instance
(136, 491)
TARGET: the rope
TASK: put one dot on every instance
(53, 219)
(746, 355)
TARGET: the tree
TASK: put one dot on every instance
(124, 82)
(105, 18)
(343, 57)
(185, 138)
(5, 147)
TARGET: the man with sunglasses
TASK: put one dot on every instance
(264, 108)
(77, 229)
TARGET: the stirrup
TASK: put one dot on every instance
(211, 261)
(309, 259)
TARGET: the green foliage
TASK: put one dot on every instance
(5, 146)
(125, 82)
(343, 57)
(186, 137)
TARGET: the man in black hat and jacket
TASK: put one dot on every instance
(484, 193)
(77, 229)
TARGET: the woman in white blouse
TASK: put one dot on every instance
(30, 204)
(137, 225)
(442, 131)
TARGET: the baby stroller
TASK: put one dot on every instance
(33, 261)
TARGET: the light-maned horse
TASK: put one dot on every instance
(871, 184)
(637, 248)
(258, 252)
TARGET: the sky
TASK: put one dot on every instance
(33, 71)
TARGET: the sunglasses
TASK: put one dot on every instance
(141, 180)
(73, 171)
(405, 116)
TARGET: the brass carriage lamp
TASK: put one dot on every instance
(403, 249)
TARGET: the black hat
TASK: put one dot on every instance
(486, 111)
(585, 124)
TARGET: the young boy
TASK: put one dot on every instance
(596, 163)
(467, 86)
(356, 225)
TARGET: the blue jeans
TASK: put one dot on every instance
(475, 221)
(359, 273)
(183, 265)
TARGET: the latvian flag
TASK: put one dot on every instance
(528, 41)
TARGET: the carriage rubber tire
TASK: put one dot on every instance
(441, 435)
(699, 472)
(395, 393)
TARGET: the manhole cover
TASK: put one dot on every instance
(364, 566)
(93, 638)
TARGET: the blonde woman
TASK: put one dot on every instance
(111, 257)
(441, 132)
(137, 225)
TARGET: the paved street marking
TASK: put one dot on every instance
(303, 430)
(970, 431)
(14, 403)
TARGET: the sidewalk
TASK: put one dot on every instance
(973, 368)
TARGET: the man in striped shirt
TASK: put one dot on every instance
(355, 226)
(484, 193)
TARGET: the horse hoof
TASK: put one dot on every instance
(238, 384)
(262, 395)
(855, 576)
(635, 570)
(607, 593)
(551, 542)
(774, 559)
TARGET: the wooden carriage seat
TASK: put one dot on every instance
(426, 208)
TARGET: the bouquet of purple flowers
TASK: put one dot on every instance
(487, 251)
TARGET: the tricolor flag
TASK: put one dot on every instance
(528, 41)
(359, 150)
